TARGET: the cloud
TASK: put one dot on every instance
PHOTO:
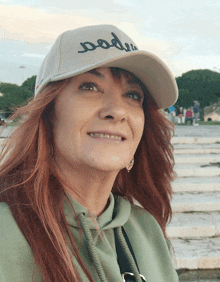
(182, 65)
(148, 44)
(70, 5)
(32, 55)
(11, 72)
(187, 63)
(35, 25)
(184, 37)
(164, 50)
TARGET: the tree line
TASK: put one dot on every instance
(13, 96)
(200, 85)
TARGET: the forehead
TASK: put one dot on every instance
(119, 76)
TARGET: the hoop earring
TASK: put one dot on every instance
(129, 167)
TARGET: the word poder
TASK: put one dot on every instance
(115, 42)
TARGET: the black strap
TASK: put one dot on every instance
(122, 259)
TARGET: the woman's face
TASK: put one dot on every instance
(91, 113)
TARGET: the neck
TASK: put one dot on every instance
(89, 188)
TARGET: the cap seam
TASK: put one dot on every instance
(60, 52)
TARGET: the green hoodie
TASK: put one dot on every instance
(148, 243)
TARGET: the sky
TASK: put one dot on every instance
(185, 34)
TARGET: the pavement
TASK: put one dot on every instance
(7, 131)
(197, 131)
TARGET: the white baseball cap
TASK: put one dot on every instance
(80, 50)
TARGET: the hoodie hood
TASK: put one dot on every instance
(116, 214)
(130, 227)
(113, 218)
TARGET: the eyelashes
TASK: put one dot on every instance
(93, 87)
(90, 86)
(134, 93)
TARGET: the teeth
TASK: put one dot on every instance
(105, 136)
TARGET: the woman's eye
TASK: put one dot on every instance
(90, 86)
(135, 96)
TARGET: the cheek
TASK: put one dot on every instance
(139, 125)
(72, 119)
(63, 125)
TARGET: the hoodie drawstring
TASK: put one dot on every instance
(91, 247)
(128, 254)
(95, 257)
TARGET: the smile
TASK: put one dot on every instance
(107, 136)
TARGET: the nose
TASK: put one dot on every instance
(114, 107)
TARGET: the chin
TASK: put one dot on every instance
(107, 163)
(109, 166)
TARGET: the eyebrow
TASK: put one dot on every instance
(132, 81)
(96, 73)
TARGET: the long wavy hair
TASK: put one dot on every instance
(34, 192)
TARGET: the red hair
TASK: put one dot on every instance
(34, 192)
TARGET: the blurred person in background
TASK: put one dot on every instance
(189, 116)
(180, 115)
(196, 110)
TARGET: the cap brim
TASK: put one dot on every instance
(150, 69)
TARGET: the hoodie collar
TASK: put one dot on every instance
(115, 215)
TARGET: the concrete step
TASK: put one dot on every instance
(203, 253)
(199, 275)
(194, 225)
(196, 184)
(195, 140)
(196, 146)
(7, 131)
(195, 201)
(196, 170)
(195, 151)
(197, 159)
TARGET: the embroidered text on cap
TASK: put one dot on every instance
(89, 46)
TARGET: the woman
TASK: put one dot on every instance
(93, 140)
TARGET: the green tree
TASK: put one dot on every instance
(29, 83)
(185, 99)
(13, 97)
(201, 85)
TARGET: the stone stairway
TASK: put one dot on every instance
(194, 230)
